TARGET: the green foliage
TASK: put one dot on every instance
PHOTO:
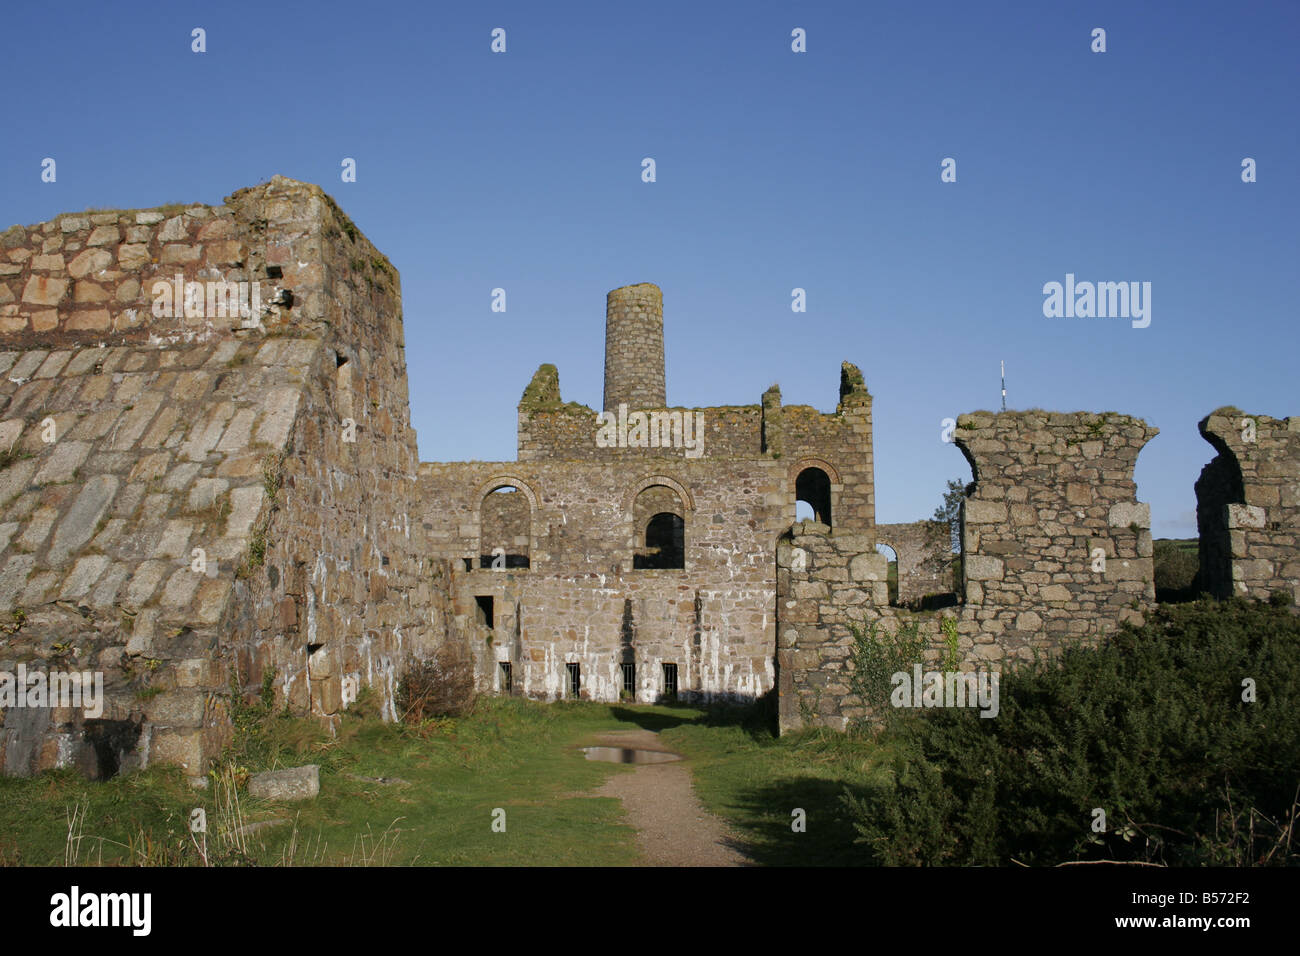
(342, 219)
(266, 695)
(1151, 727)
(19, 618)
(950, 511)
(543, 391)
(10, 455)
(879, 654)
(259, 538)
(441, 786)
(1176, 567)
(951, 651)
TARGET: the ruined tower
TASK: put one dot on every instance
(634, 347)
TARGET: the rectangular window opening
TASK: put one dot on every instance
(507, 677)
(483, 612)
(629, 679)
(670, 681)
(575, 680)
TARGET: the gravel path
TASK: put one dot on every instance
(673, 828)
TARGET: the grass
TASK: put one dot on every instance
(406, 795)
(755, 781)
(512, 754)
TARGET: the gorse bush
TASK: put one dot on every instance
(1151, 728)
(1175, 570)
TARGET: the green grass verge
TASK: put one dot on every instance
(401, 795)
(511, 754)
(755, 781)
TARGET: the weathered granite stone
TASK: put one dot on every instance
(297, 783)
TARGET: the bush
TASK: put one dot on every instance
(1152, 728)
(877, 655)
(1176, 568)
(441, 686)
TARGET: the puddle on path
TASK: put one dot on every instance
(628, 755)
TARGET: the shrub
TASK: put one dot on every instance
(1175, 567)
(1151, 727)
(878, 655)
(441, 686)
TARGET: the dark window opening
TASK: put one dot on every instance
(483, 610)
(575, 680)
(469, 564)
(343, 379)
(507, 676)
(629, 679)
(495, 561)
(665, 543)
(505, 532)
(813, 486)
(670, 681)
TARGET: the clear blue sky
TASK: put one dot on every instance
(775, 170)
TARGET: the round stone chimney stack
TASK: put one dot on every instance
(634, 347)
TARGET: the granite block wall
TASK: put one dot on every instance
(1248, 506)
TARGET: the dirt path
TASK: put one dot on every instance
(673, 828)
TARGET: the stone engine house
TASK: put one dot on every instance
(210, 492)
(635, 559)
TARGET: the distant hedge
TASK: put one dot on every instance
(1150, 728)
(1175, 567)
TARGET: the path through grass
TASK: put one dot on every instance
(425, 796)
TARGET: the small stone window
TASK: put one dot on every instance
(575, 680)
(506, 670)
(483, 610)
(670, 681)
(629, 679)
(343, 379)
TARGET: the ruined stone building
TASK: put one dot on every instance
(209, 486)
(635, 557)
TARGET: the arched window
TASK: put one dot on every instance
(813, 488)
(892, 556)
(660, 527)
(506, 516)
(665, 542)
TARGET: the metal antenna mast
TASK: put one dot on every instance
(1004, 385)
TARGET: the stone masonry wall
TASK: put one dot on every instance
(1056, 550)
(345, 594)
(824, 583)
(582, 601)
(1055, 544)
(180, 506)
(1248, 506)
(924, 550)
